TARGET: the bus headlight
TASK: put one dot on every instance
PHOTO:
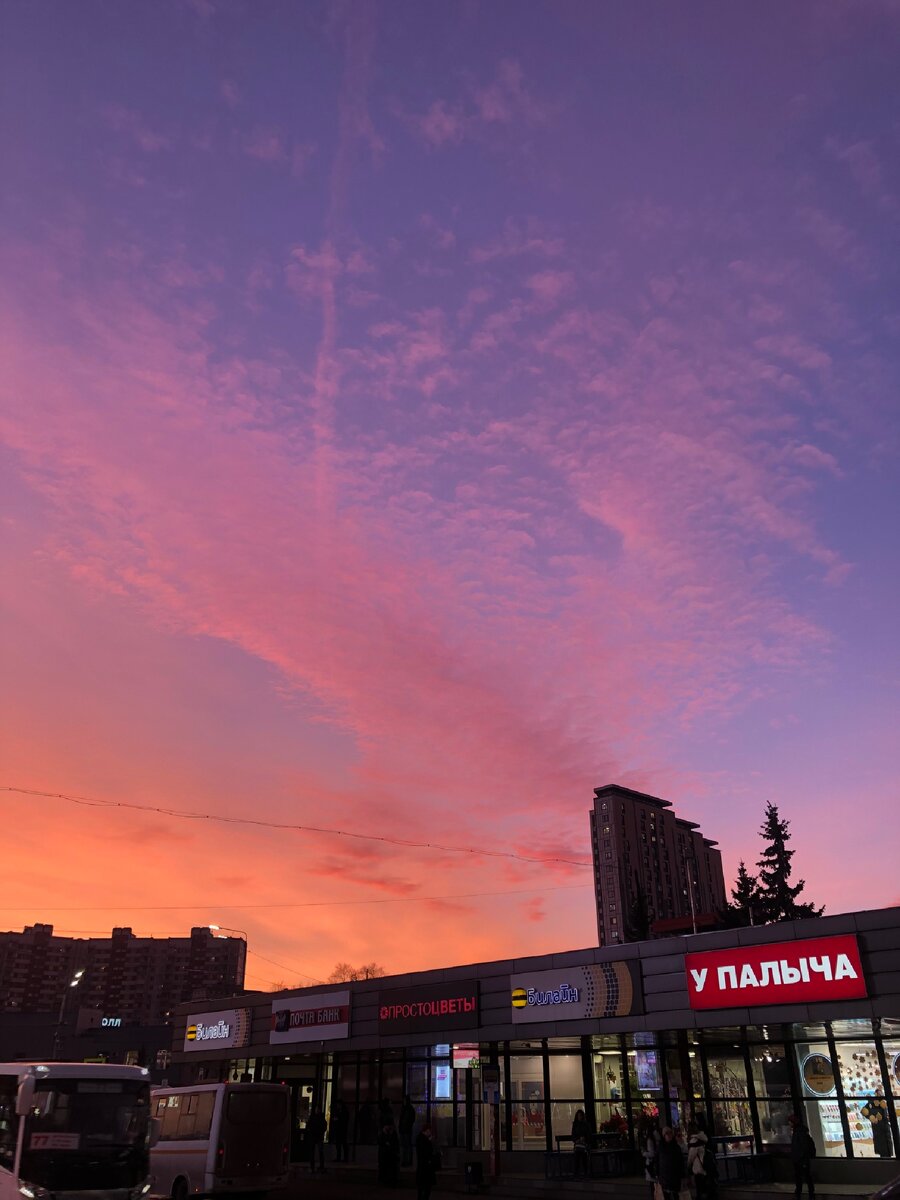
(31, 1191)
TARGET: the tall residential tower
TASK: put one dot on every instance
(654, 872)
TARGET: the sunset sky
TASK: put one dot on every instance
(417, 415)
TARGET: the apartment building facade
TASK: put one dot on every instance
(654, 872)
(135, 980)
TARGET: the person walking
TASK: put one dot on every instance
(339, 1130)
(407, 1123)
(648, 1144)
(803, 1151)
(316, 1128)
(669, 1165)
(427, 1160)
(698, 1161)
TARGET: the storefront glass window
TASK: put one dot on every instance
(368, 1079)
(567, 1091)
(727, 1075)
(890, 1031)
(676, 1111)
(771, 1078)
(392, 1080)
(824, 1120)
(527, 1093)
(775, 1121)
(731, 1118)
(566, 1079)
(441, 1117)
(609, 1089)
(417, 1080)
(867, 1111)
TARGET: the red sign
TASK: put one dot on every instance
(827, 968)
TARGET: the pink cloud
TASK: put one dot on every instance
(126, 120)
(440, 124)
(266, 145)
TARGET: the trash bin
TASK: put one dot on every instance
(474, 1175)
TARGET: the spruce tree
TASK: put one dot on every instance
(777, 895)
(745, 908)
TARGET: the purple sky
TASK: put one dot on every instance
(416, 415)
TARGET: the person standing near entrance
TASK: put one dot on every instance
(316, 1128)
(427, 1159)
(803, 1151)
(407, 1124)
(339, 1130)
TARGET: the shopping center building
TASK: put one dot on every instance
(743, 1027)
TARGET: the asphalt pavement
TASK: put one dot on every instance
(351, 1182)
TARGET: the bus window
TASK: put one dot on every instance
(196, 1116)
(9, 1122)
(257, 1108)
(170, 1114)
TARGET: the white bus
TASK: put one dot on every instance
(67, 1129)
(221, 1137)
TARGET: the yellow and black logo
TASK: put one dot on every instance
(191, 1033)
(519, 998)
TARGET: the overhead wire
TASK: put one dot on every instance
(226, 907)
(184, 814)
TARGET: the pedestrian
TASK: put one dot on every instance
(407, 1124)
(581, 1137)
(669, 1165)
(427, 1161)
(648, 1144)
(803, 1151)
(316, 1128)
(698, 1161)
(388, 1156)
(339, 1130)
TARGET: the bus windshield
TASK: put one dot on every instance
(87, 1134)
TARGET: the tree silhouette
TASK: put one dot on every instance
(746, 907)
(777, 895)
(344, 971)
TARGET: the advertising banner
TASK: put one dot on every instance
(827, 968)
(589, 992)
(310, 1018)
(429, 1007)
(222, 1030)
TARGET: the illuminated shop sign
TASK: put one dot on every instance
(592, 991)
(432, 1006)
(801, 972)
(466, 1056)
(218, 1030)
(311, 1018)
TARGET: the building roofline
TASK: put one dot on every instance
(631, 794)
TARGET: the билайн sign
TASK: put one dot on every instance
(591, 991)
(218, 1030)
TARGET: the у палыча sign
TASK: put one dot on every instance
(802, 972)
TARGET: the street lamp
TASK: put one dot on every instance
(228, 929)
(73, 983)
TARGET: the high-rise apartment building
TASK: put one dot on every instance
(654, 872)
(137, 979)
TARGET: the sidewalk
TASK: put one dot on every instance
(351, 1182)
